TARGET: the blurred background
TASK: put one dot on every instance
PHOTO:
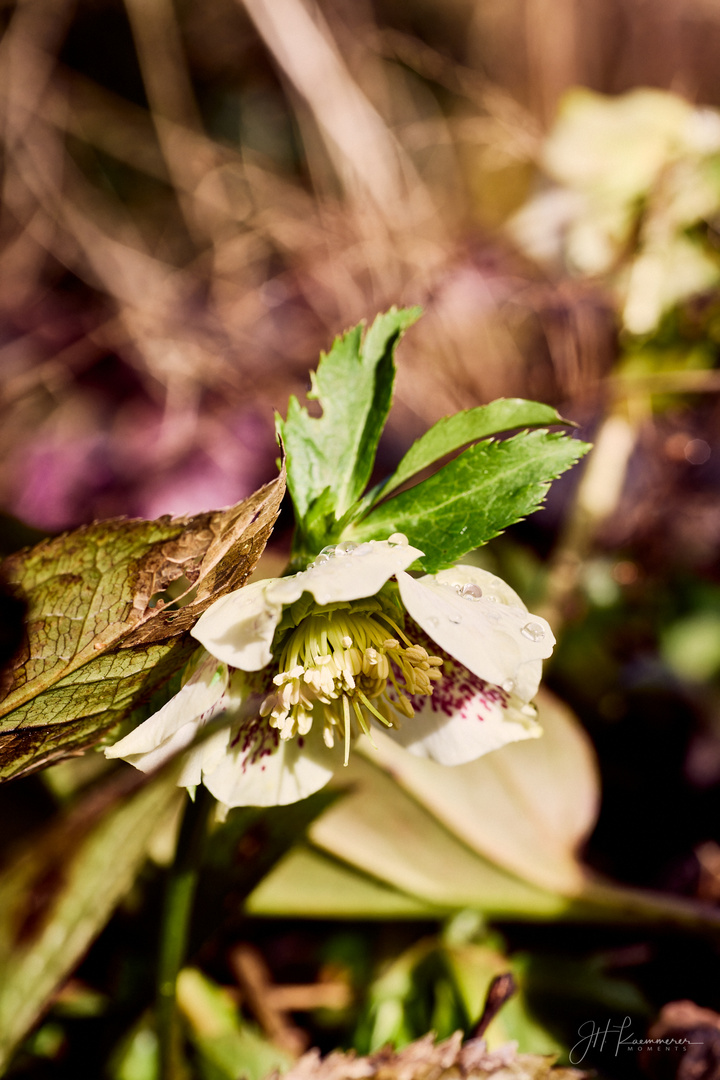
(198, 195)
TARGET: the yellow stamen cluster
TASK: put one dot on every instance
(342, 668)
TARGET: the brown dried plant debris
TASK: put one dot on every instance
(683, 1044)
(427, 1059)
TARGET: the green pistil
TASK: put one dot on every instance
(346, 715)
(371, 708)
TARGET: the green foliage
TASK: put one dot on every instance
(58, 894)
(460, 837)
(470, 425)
(442, 982)
(97, 644)
(463, 505)
(472, 499)
(330, 458)
(137, 1057)
(441, 985)
(691, 646)
(500, 835)
(226, 1047)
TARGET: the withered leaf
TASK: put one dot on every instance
(94, 647)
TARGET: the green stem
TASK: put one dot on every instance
(175, 926)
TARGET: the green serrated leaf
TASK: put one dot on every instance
(94, 647)
(472, 499)
(453, 432)
(353, 383)
(318, 526)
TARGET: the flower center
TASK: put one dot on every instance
(344, 667)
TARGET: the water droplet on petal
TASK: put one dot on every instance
(470, 591)
(398, 538)
(328, 551)
(533, 631)
(508, 686)
(433, 620)
(310, 566)
(455, 618)
(345, 548)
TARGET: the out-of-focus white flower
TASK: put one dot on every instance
(636, 175)
(299, 667)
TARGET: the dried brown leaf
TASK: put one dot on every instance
(94, 646)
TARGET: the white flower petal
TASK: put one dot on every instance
(492, 650)
(239, 628)
(209, 752)
(207, 755)
(494, 637)
(175, 725)
(148, 760)
(353, 576)
(283, 772)
(464, 719)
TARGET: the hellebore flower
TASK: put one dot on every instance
(298, 667)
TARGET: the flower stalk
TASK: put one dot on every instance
(175, 922)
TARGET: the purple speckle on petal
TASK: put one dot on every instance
(255, 739)
(458, 687)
